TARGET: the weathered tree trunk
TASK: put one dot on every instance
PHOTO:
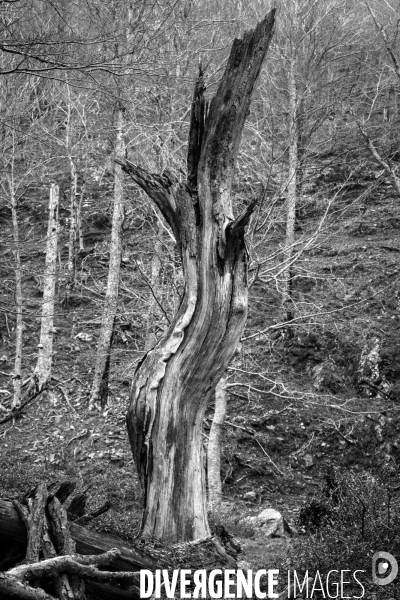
(151, 339)
(214, 445)
(99, 391)
(43, 367)
(175, 380)
(291, 202)
(17, 377)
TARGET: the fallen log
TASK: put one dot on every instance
(218, 551)
(87, 541)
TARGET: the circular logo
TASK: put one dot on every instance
(384, 568)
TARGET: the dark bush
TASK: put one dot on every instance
(355, 516)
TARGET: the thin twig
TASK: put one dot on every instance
(65, 396)
(147, 282)
(269, 458)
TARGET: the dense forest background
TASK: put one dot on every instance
(315, 384)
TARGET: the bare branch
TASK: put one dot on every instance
(160, 188)
(380, 160)
(243, 219)
(85, 566)
(381, 29)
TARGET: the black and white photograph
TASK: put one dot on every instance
(199, 299)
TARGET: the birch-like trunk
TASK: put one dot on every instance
(176, 379)
(214, 445)
(79, 219)
(73, 201)
(291, 202)
(99, 390)
(73, 222)
(44, 363)
(17, 377)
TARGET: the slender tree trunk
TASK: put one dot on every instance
(99, 391)
(79, 218)
(71, 265)
(17, 377)
(175, 381)
(73, 222)
(291, 204)
(43, 367)
(214, 445)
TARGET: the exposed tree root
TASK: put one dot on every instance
(37, 526)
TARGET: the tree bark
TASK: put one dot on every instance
(43, 367)
(151, 339)
(99, 391)
(214, 445)
(176, 379)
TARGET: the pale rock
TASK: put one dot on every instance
(308, 461)
(243, 565)
(268, 523)
(85, 337)
(271, 522)
(250, 496)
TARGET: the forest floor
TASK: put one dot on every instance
(58, 439)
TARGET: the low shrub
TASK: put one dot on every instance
(355, 516)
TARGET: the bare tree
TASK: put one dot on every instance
(379, 88)
(291, 201)
(17, 376)
(74, 200)
(99, 389)
(175, 380)
(43, 366)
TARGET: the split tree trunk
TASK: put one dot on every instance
(175, 380)
(43, 367)
(99, 391)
